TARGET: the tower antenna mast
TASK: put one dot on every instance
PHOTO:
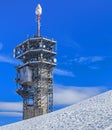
(35, 75)
(38, 13)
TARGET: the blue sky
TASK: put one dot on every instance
(83, 30)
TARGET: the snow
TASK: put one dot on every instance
(92, 114)
(109, 128)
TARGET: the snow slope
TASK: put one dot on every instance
(109, 128)
(92, 114)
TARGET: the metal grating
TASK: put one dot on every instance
(35, 75)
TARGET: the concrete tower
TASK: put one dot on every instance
(35, 75)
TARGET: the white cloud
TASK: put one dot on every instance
(13, 109)
(7, 59)
(67, 95)
(64, 73)
(11, 106)
(90, 59)
(96, 58)
(13, 114)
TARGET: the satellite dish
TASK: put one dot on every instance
(38, 10)
(44, 46)
(55, 60)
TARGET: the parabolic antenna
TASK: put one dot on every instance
(55, 60)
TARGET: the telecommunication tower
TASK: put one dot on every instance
(35, 75)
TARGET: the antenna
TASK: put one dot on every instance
(35, 72)
(38, 13)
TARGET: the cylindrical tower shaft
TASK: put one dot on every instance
(38, 30)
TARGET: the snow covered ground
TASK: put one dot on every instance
(92, 114)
